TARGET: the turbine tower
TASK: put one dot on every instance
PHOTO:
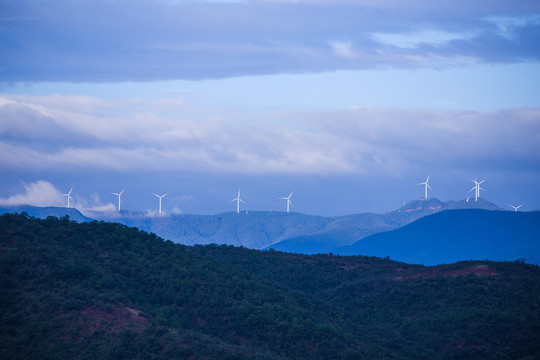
(119, 196)
(160, 197)
(288, 198)
(69, 196)
(515, 207)
(476, 188)
(238, 200)
(426, 186)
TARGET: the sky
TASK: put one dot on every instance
(348, 103)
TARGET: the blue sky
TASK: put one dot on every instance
(349, 103)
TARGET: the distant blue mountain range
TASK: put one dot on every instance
(346, 230)
(398, 234)
(456, 235)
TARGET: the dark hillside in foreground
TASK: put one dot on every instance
(104, 291)
(456, 235)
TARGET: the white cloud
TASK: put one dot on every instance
(38, 193)
(413, 39)
(44, 193)
(343, 49)
(205, 140)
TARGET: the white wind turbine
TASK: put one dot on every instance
(426, 186)
(160, 197)
(238, 200)
(288, 198)
(69, 195)
(515, 207)
(119, 196)
(476, 188)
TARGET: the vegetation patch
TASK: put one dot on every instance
(103, 290)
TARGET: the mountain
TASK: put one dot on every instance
(345, 230)
(289, 232)
(253, 229)
(455, 235)
(45, 211)
(98, 290)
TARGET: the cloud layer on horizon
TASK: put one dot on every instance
(38, 193)
(44, 193)
(51, 132)
(104, 41)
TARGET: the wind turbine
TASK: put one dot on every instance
(160, 197)
(480, 188)
(426, 186)
(476, 188)
(515, 207)
(288, 198)
(119, 196)
(238, 200)
(69, 196)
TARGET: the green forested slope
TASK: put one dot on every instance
(104, 291)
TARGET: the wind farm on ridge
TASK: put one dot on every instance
(288, 203)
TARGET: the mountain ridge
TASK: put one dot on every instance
(455, 235)
(265, 229)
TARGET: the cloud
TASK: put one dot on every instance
(38, 193)
(146, 141)
(153, 40)
(223, 141)
(343, 49)
(44, 193)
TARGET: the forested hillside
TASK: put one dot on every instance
(100, 290)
